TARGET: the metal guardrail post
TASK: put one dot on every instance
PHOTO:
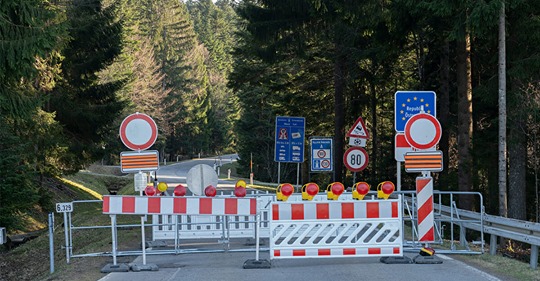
(534, 257)
(493, 244)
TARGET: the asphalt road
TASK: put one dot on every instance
(175, 173)
(229, 265)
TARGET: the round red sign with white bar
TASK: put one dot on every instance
(423, 131)
(138, 131)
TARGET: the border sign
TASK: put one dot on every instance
(409, 103)
(355, 159)
(138, 131)
(289, 144)
(321, 154)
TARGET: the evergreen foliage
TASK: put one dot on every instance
(84, 106)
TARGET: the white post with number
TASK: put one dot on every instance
(65, 208)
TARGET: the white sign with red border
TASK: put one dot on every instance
(358, 130)
(138, 131)
(356, 159)
(423, 131)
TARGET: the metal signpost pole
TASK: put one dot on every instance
(66, 236)
(278, 171)
(113, 230)
(143, 238)
(51, 241)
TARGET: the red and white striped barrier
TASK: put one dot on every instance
(166, 205)
(424, 193)
(339, 210)
(329, 252)
(366, 228)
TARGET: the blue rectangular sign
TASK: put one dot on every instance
(289, 139)
(409, 103)
(321, 154)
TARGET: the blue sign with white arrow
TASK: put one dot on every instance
(289, 145)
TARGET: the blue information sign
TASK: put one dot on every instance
(409, 103)
(289, 139)
(321, 154)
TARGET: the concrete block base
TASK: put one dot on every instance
(144, 267)
(108, 268)
(257, 264)
(396, 260)
(427, 260)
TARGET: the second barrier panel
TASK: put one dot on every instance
(336, 229)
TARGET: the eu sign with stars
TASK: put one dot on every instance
(409, 103)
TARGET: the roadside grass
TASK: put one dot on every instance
(504, 268)
(30, 261)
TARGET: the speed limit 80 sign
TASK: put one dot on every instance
(356, 159)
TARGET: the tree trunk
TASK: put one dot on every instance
(517, 158)
(503, 207)
(374, 137)
(339, 114)
(465, 129)
(444, 110)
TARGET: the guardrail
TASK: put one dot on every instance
(518, 230)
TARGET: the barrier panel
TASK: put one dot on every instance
(166, 205)
(336, 229)
(219, 227)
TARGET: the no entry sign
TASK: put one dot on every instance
(423, 131)
(138, 131)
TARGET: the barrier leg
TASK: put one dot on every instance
(114, 267)
(176, 234)
(143, 242)
(144, 266)
(113, 228)
(257, 263)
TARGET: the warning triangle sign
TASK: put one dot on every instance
(358, 130)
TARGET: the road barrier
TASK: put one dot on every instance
(448, 219)
(336, 229)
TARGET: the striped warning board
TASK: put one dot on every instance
(168, 205)
(133, 161)
(424, 192)
(423, 161)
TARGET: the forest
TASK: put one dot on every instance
(215, 74)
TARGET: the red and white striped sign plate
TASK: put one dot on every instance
(375, 209)
(167, 205)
